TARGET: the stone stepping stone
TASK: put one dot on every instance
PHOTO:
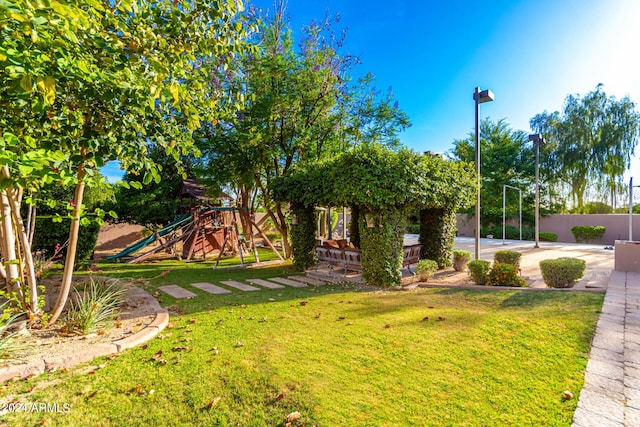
(308, 280)
(265, 283)
(239, 285)
(212, 289)
(177, 292)
(292, 283)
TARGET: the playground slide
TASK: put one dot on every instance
(180, 221)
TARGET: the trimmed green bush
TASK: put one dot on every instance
(48, 234)
(426, 268)
(507, 257)
(562, 272)
(460, 259)
(511, 232)
(503, 274)
(303, 238)
(382, 247)
(478, 270)
(545, 236)
(437, 235)
(413, 228)
(588, 233)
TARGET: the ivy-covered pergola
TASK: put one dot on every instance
(380, 186)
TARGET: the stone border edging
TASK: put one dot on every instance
(52, 362)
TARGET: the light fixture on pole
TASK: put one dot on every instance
(537, 140)
(479, 97)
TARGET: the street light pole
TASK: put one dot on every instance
(479, 97)
(537, 140)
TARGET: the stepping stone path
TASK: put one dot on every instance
(272, 283)
(239, 285)
(212, 289)
(177, 292)
(309, 280)
(265, 284)
(292, 283)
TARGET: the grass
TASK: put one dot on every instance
(339, 356)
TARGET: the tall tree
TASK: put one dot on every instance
(506, 158)
(300, 107)
(592, 141)
(83, 83)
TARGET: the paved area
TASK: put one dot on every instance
(611, 393)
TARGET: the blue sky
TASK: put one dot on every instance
(531, 54)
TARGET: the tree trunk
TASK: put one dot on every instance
(26, 248)
(12, 276)
(70, 261)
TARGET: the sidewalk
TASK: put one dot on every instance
(611, 393)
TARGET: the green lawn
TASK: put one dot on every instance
(337, 355)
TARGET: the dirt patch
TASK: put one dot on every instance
(112, 238)
(137, 310)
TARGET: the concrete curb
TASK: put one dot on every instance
(64, 361)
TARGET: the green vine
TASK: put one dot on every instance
(437, 235)
(303, 240)
(381, 240)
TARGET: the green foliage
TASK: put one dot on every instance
(426, 268)
(303, 239)
(8, 317)
(510, 232)
(562, 272)
(502, 274)
(597, 208)
(51, 235)
(478, 271)
(437, 235)
(375, 177)
(546, 236)
(460, 259)
(381, 241)
(589, 142)
(507, 158)
(413, 228)
(155, 203)
(507, 257)
(95, 304)
(588, 233)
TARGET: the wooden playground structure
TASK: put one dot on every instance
(202, 229)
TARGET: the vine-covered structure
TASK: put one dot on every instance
(380, 186)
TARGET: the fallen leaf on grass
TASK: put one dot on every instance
(181, 348)
(387, 326)
(193, 320)
(317, 316)
(264, 319)
(214, 402)
(272, 299)
(294, 416)
(92, 395)
(144, 346)
(303, 303)
(341, 318)
(424, 319)
(441, 318)
(170, 325)
(240, 344)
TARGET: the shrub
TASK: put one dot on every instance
(507, 257)
(511, 232)
(548, 237)
(426, 268)
(460, 259)
(587, 233)
(437, 235)
(413, 228)
(478, 270)
(96, 303)
(503, 274)
(562, 272)
(50, 235)
(303, 238)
